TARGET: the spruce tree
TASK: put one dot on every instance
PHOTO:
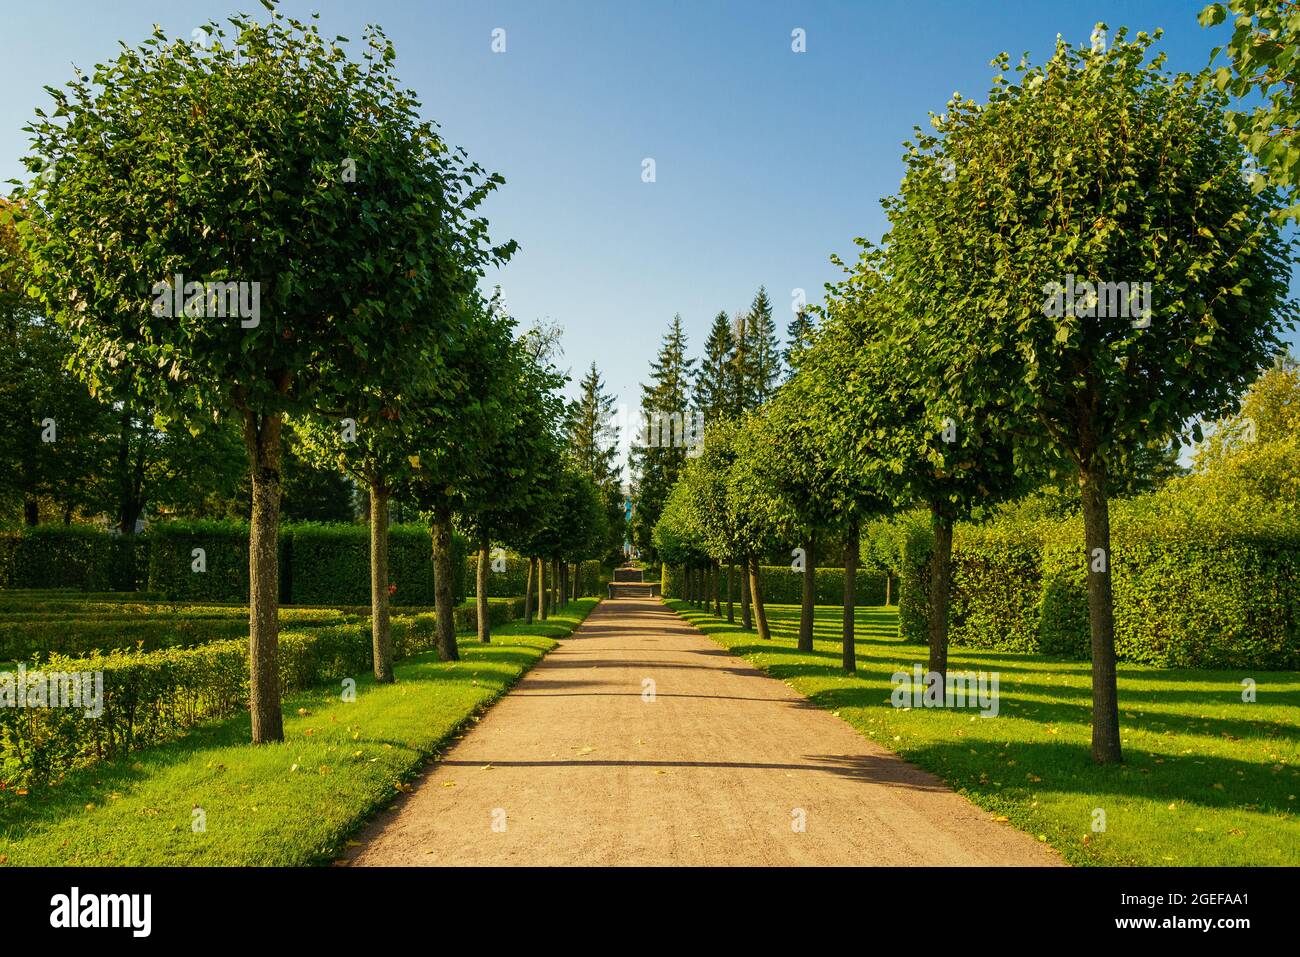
(764, 349)
(656, 466)
(588, 424)
(798, 336)
(714, 391)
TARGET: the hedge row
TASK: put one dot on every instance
(154, 696)
(1192, 592)
(513, 579)
(21, 638)
(319, 564)
(781, 586)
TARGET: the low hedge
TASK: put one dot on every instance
(154, 696)
(24, 638)
(782, 586)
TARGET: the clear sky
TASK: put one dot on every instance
(767, 161)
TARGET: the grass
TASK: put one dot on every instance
(286, 804)
(1207, 780)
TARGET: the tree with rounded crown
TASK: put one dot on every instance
(259, 224)
(1086, 294)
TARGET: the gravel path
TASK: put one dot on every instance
(577, 765)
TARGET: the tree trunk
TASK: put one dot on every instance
(889, 581)
(848, 658)
(577, 580)
(1101, 614)
(31, 511)
(380, 635)
(481, 588)
(940, 587)
(746, 616)
(809, 598)
(541, 590)
(528, 595)
(756, 591)
(442, 598)
(714, 574)
(555, 585)
(731, 605)
(262, 442)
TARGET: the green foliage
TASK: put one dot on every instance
(58, 556)
(781, 586)
(155, 696)
(330, 564)
(225, 552)
(1262, 60)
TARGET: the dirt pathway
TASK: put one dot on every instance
(577, 765)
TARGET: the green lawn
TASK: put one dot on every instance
(287, 804)
(1207, 779)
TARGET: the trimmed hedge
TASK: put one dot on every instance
(330, 564)
(154, 696)
(1191, 590)
(319, 564)
(73, 556)
(514, 580)
(781, 586)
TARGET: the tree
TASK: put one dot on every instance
(256, 225)
(1262, 61)
(657, 457)
(799, 335)
(714, 385)
(587, 423)
(758, 366)
(1143, 287)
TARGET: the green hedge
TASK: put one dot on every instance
(330, 564)
(154, 696)
(1191, 590)
(781, 586)
(71, 556)
(514, 579)
(319, 564)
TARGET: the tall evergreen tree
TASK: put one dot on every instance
(657, 463)
(714, 391)
(764, 349)
(588, 422)
(798, 336)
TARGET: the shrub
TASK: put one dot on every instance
(154, 696)
(225, 552)
(67, 556)
(330, 564)
(781, 586)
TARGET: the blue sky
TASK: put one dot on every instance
(767, 161)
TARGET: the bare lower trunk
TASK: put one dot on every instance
(442, 598)
(380, 634)
(481, 589)
(746, 616)
(756, 590)
(541, 590)
(889, 581)
(714, 574)
(555, 585)
(731, 605)
(809, 597)
(577, 580)
(940, 587)
(848, 657)
(31, 511)
(1101, 615)
(528, 594)
(262, 442)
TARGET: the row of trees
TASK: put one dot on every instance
(950, 368)
(269, 159)
(742, 365)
